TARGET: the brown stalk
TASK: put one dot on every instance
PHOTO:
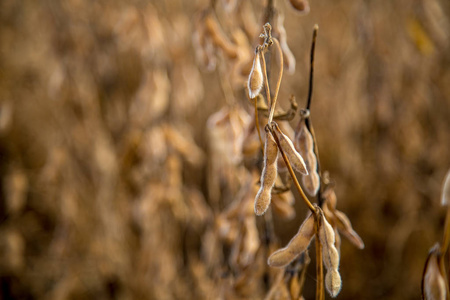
(257, 125)
(291, 171)
(311, 72)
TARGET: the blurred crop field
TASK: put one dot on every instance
(127, 162)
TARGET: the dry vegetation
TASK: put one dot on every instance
(130, 159)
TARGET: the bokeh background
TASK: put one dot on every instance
(110, 167)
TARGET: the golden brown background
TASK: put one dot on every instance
(98, 201)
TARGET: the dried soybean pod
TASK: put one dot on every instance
(296, 246)
(330, 257)
(330, 197)
(304, 144)
(327, 239)
(255, 78)
(301, 6)
(433, 283)
(333, 282)
(337, 241)
(289, 59)
(268, 176)
(219, 38)
(345, 227)
(294, 157)
(311, 183)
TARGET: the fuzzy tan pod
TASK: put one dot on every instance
(333, 282)
(445, 198)
(255, 78)
(288, 57)
(327, 239)
(218, 37)
(268, 176)
(311, 183)
(330, 257)
(296, 246)
(294, 157)
(433, 283)
(304, 144)
(345, 227)
(330, 198)
(300, 6)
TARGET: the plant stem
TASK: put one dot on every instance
(319, 268)
(257, 125)
(311, 71)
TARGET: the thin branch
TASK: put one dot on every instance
(257, 125)
(311, 71)
(319, 270)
